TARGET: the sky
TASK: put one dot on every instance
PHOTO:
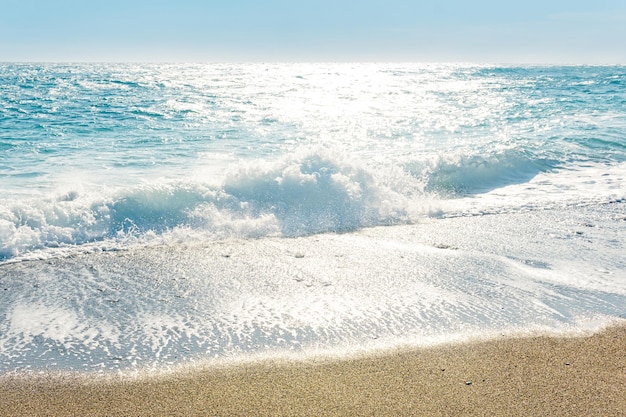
(480, 31)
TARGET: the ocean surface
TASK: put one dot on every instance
(159, 215)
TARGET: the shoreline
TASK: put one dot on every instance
(530, 375)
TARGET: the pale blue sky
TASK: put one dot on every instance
(529, 31)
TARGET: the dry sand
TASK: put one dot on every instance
(539, 376)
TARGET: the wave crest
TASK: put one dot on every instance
(300, 194)
(479, 173)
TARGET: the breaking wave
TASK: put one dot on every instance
(477, 173)
(306, 193)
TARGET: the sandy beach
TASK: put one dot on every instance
(530, 376)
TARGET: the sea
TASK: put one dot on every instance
(157, 216)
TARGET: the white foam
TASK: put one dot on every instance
(311, 191)
(442, 280)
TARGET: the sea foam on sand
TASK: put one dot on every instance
(156, 307)
(537, 376)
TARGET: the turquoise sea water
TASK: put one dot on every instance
(155, 214)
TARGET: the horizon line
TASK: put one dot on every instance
(366, 61)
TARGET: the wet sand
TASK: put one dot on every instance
(533, 376)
